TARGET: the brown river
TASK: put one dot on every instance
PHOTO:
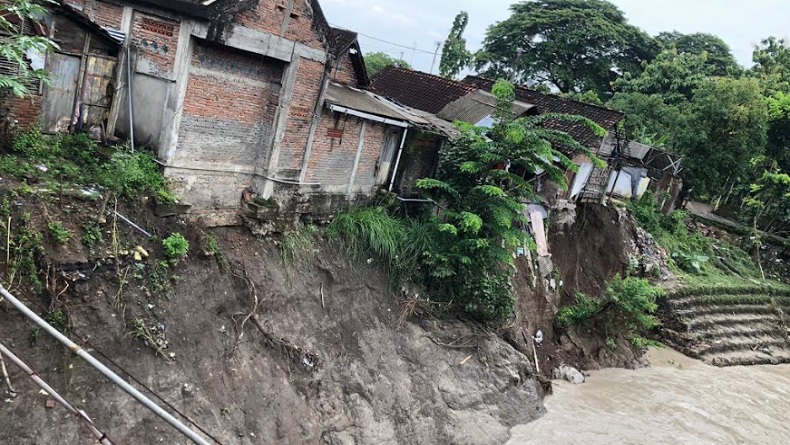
(676, 401)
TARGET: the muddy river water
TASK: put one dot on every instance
(676, 401)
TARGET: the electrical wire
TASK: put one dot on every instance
(411, 48)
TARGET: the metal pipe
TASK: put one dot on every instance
(102, 438)
(129, 92)
(397, 161)
(129, 389)
(126, 220)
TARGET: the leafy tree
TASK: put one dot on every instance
(376, 62)
(770, 196)
(469, 261)
(657, 101)
(772, 65)
(571, 45)
(717, 52)
(673, 76)
(778, 148)
(15, 47)
(727, 127)
(455, 56)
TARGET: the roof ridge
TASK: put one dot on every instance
(432, 76)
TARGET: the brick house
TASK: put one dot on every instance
(258, 99)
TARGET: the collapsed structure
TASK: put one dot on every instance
(260, 108)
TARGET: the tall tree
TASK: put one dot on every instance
(772, 65)
(455, 56)
(18, 48)
(728, 127)
(718, 53)
(657, 101)
(571, 45)
(375, 62)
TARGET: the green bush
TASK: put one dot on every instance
(645, 211)
(176, 246)
(368, 231)
(91, 234)
(80, 148)
(633, 303)
(627, 308)
(34, 145)
(132, 174)
(58, 232)
(575, 315)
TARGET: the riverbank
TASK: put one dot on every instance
(677, 400)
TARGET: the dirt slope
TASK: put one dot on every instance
(339, 371)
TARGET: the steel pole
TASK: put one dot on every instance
(129, 389)
(54, 394)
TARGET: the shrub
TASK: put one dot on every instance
(645, 211)
(80, 148)
(368, 231)
(132, 174)
(58, 232)
(34, 145)
(176, 246)
(633, 303)
(627, 308)
(91, 234)
(575, 315)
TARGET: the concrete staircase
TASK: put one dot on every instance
(729, 326)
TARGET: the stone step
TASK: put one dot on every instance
(707, 300)
(733, 344)
(773, 356)
(697, 311)
(705, 322)
(748, 330)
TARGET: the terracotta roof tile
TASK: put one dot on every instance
(418, 90)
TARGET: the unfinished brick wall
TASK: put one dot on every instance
(229, 106)
(269, 15)
(25, 111)
(335, 148)
(102, 12)
(343, 71)
(156, 40)
(307, 88)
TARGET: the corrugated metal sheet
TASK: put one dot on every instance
(363, 101)
(476, 106)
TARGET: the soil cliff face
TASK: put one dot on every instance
(325, 356)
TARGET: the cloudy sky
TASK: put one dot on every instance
(422, 23)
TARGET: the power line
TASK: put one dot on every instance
(412, 48)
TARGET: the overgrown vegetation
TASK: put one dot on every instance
(627, 308)
(298, 244)
(464, 256)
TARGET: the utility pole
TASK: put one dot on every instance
(436, 53)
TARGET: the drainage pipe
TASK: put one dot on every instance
(129, 389)
(101, 437)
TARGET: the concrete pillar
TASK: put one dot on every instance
(120, 72)
(174, 105)
(360, 146)
(268, 165)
